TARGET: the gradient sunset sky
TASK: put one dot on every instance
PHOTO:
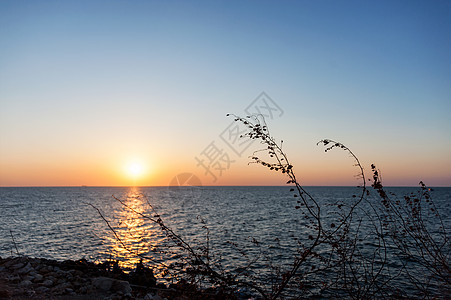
(89, 88)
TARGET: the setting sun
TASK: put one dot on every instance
(135, 169)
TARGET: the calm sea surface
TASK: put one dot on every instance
(59, 223)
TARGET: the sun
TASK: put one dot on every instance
(134, 169)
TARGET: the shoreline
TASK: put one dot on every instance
(25, 277)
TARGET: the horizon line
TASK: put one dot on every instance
(149, 186)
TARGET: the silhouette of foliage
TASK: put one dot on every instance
(370, 245)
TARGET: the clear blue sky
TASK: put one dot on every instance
(87, 84)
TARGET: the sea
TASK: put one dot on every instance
(233, 224)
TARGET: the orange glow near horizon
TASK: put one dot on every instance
(138, 169)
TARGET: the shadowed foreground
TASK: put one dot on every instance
(33, 278)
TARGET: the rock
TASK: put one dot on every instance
(42, 279)
(53, 279)
(122, 287)
(26, 269)
(52, 275)
(47, 283)
(83, 290)
(5, 263)
(103, 283)
(76, 273)
(61, 288)
(25, 284)
(68, 276)
(14, 279)
(24, 259)
(4, 293)
(42, 289)
(112, 285)
(38, 278)
(17, 266)
(35, 262)
(9, 262)
(91, 289)
(33, 273)
(61, 281)
(152, 297)
(78, 282)
(42, 269)
(148, 297)
(29, 277)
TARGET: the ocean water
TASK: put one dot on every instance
(63, 222)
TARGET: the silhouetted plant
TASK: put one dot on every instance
(418, 232)
(401, 229)
(331, 246)
(360, 247)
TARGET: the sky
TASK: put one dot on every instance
(118, 93)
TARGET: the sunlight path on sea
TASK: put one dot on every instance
(133, 235)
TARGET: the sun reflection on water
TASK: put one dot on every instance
(136, 236)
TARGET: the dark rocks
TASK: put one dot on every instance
(152, 297)
(25, 269)
(42, 290)
(122, 286)
(38, 278)
(106, 284)
(103, 283)
(33, 278)
(4, 293)
(25, 284)
(23, 277)
(47, 283)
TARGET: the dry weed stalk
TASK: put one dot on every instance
(357, 248)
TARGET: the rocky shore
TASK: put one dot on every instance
(35, 278)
